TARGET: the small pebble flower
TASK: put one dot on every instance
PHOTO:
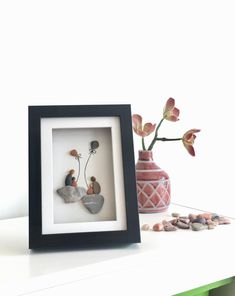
(74, 153)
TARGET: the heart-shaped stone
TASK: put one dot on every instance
(71, 194)
(93, 202)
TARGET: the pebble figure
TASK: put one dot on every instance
(68, 179)
(74, 182)
(90, 190)
(95, 185)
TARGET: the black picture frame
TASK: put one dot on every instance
(38, 240)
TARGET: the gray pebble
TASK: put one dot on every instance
(175, 215)
(94, 145)
(96, 187)
(182, 225)
(199, 220)
(71, 194)
(168, 226)
(184, 220)
(215, 216)
(174, 221)
(183, 217)
(93, 202)
(198, 226)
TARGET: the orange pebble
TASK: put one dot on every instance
(207, 216)
(90, 190)
(158, 227)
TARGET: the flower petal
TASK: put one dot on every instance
(176, 112)
(137, 131)
(170, 104)
(149, 128)
(190, 149)
(188, 136)
(172, 118)
(137, 121)
(189, 133)
(141, 133)
(193, 131)
(170, 112)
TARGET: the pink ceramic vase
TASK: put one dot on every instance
(153, 185)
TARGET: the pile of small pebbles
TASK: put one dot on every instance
(192, 221)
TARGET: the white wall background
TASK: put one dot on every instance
(138, 52)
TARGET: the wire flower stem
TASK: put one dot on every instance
(85, 178)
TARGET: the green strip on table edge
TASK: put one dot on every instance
(204, 290)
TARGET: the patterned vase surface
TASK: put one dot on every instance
(153, 185)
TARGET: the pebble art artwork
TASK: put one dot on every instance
(89, 197)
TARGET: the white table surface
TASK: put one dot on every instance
(163, 264)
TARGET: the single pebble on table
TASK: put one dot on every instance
(182, 225)
(198, 226)
(192, 217)
(174, 221)
(211, 222)
(184, 220)
(223, 220)
(199, 220)
(207, 216)
(175, 215)
(215, 216)
(158, 227)
(211, 226)
(183, 217)
(168, 226)
(145, 227)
